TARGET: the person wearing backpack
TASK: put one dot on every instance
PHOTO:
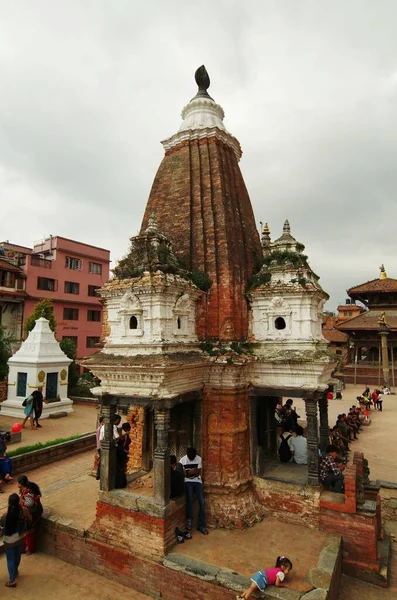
(285, 448)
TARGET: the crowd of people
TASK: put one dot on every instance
(19, 525)
(345, 431)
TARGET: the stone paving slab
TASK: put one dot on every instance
(82, 420)
(68, 489)
(48, 578)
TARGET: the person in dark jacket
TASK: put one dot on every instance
(13, 526)
(38, 400)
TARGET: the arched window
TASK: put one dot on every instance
(279, 323)
(178, 323)
(133, 322)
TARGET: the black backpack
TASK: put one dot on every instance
(284, 452)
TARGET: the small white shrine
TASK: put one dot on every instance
(39, 363)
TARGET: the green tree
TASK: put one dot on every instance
(45, 309)
(5, 352)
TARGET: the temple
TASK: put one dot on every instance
(374, 325)
(207, 326)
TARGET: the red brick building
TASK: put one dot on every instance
(68, 273)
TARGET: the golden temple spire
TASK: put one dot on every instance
(383, 274)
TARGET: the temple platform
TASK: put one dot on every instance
(229, 558)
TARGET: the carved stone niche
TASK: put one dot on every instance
(130, 315)
(182, 313)
(279, 315)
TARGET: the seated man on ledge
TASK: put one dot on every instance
(192, 464)
(331, 471)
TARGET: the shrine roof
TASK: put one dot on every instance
(5, 265)
(153, 360)
(387, 284)
(331, 333)
(369, 321)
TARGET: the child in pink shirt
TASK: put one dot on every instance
(275, 576)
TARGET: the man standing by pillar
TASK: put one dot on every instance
(192, 466)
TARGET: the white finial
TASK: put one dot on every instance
(286, 228)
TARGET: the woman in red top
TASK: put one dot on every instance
(30, 502)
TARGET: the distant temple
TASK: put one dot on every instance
(378, 307)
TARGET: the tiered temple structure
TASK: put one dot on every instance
(205, 330)
(371, 331)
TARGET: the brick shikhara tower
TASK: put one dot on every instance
(206, 327)
(202, 205)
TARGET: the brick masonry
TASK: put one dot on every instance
(202, 205)
(3, 390)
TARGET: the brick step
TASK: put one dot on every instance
(380, 577)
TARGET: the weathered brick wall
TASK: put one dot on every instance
(291, 503)
(136, 418)
(133, 571)
(143, 534)
(201, 179)
(3, 390)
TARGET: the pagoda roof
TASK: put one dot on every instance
(388, 284)
(369, 320)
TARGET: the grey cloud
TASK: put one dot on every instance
(90, 88)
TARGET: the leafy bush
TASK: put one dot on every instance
(200, 279)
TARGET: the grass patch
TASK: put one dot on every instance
(40, 446)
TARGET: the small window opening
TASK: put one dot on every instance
(178, 322)
(279, 323)
(133, 322)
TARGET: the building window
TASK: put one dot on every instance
(71, 314)
(95, 268)
(93, 315)
(92, 290)
(71, 287)
(49, 285)
(22, 381)
(279, 323)
(178, 323)
(72, 338)
(133, 322)
(76, 264)
(92, 341)
(7, 279)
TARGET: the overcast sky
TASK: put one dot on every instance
(309, 87)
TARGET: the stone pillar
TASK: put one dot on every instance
(324, 426)
(312, 441)
(198, 426)
(161, 463)
(108, 448)
(385, 356)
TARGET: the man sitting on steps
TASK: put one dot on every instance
(331, 471)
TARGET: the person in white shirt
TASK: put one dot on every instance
(116, 422)
(192, 465)
(299, 447)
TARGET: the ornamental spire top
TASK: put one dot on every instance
(286, 228)
(203, 81)
(383, 274)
